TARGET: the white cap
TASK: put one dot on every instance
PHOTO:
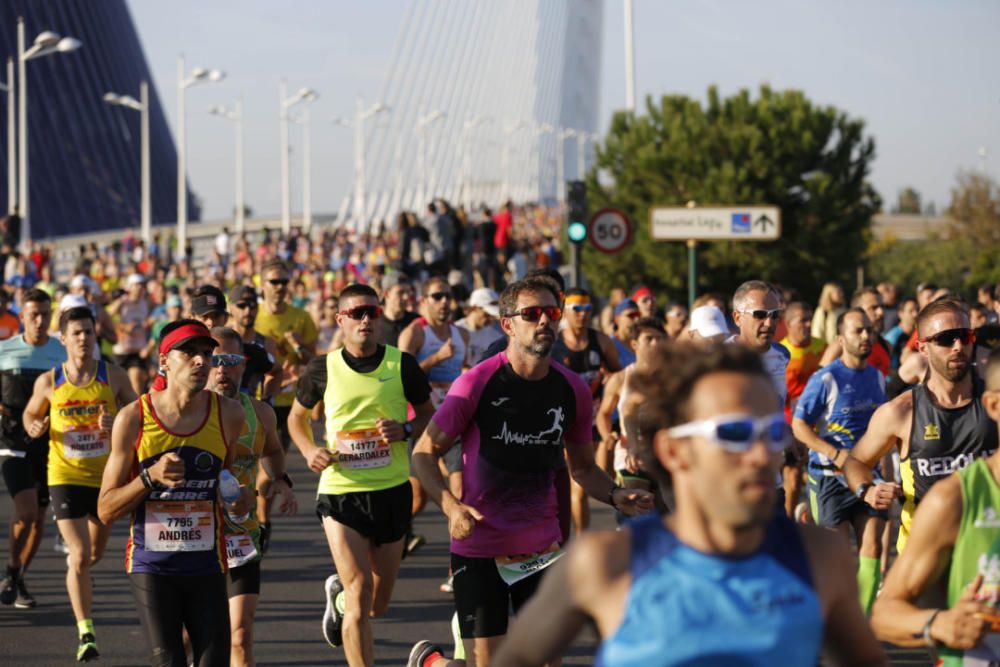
(486, 299)
(135, 279)
(79, 280)
(72, 301)
(708, 321)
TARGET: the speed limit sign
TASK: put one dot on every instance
(610, 230)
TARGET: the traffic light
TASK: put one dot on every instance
(576, 213)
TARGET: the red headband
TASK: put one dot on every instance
(184, 333)
(641, 292)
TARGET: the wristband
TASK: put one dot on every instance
(862, 490)
(147, 481)
(926, 633)
(407, 430)
(286, 479)
(611, 495)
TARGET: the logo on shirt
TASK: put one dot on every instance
(500, 401)
(550, 436)
(988, 519)
(385, 379)
(203, 462)
(932, 432)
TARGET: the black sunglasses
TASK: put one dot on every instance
(437, 296)
(948, 337)
(278, 281)
(243, 305)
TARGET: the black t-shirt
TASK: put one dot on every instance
(495, 348)
(259, 363)
(387, 331)
(312, 384)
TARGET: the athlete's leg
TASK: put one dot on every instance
(579, 506)
(76, 534)
(206, 617)
(24, 528)
(158, 603)
(99, 534)
(242, 609)
(869, 530)
(350, 551)
(385, 560)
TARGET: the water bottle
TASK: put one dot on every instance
(229, 489)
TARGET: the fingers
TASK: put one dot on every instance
(474, 513)
(969, 594)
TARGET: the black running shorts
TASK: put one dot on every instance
(381, 516)
(482, 598)
(72, 501)
(29, 472)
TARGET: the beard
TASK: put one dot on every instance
(950, 373)
(541, 344)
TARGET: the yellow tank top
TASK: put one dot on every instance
(78, 448)
(353, 402)
(249, 447)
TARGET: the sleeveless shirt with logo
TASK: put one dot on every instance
(443, 374)
(180, 531)
(942, 440)
(78, 448)
(353, 402)
(243, 539)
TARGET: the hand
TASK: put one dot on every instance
(104, 420)
(446, 351)
(293, 339)
(631, 463)
(391, 431)
(244, 503)
(289, 504)
(319, 459)
(610, 440)
(461, 520)
(168, 471)
(632, 502)
(881, 495)
(38, 427)
(962, 626)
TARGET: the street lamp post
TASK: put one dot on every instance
(303, 94)
(537, 154)
(142, 106)
(467, 129)
(198, 74)
(423, 126)
(8, 87)
(561, 137)
(45, 44)
(508, 133)
(236, 115)
(360, 116)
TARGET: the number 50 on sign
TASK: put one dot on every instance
(610, 230)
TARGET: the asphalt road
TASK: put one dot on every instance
(291, 607)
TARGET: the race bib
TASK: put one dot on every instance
(85, 443)
(513, 569)
(240, 549)
(438, 392)
(179, 525)
(361, 449)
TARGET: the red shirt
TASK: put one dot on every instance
(504, 222)
(879, 358)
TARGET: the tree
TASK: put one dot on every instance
(975, 208)
(779, 149)
(908, 202)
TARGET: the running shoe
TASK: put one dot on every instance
(88, 648)
(8, 589)
(422, 651)
(414, 542)
(332, 618)
(448, 585)
(24, 599)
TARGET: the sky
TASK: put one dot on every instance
(922, 75)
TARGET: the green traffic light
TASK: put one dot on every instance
(577, 232)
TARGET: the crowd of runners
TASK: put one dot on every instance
(808, 474)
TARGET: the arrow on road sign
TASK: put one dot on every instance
(763, 221)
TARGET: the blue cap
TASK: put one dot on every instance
(625, 304)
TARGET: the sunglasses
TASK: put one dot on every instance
(762, 314)
(738, 433)
(243, 305)
(361, 312)
(582, 307)
(437, 296)
(227, 360)
(278, 281)
(948, 337)
(534, 313)
(631, 314)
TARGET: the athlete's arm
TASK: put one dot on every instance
(466, 362)
(270, 477)
(612, 363)
(895, 616)
(585, 471)
(411, 339)
(882, 435)
(612, 392)
(831, 353)
(300, 431)
(805, 434)
(234, 423)
(106, 326)
(847, 638)
(35, 417)
(272, 379)
(430, 448)
(913, 369)
(121, 493)
(120, 385)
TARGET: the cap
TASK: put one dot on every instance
(72, 301)
(709, 321)
(625, 304)
(135, 279)
(243, 293)
(486, 299)
(209, 300)
(186, 332)
(81, 280)
(641, 292)
(174, 301)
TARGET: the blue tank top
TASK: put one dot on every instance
(685, 607)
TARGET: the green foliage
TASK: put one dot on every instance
(908, 202)
(776, 149)
(909, 263)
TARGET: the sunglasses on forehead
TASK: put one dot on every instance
(534, 313)
(948, 337)
(227, 360)
(361, 312)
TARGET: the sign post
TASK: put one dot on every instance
(712, 223)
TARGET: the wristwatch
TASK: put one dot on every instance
(611, 495)
(862, 490)
(286, 479)
(407, 430)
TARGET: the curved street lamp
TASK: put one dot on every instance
(145, 218)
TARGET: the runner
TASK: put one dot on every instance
(398, 310)
(133, 328)
(938, 427)
(23, 359)
(724, 580)
(178, 439)
(482, 322)
(626, 313)
(262, 376)
(869, 300)
(208, 306)
(364, 497)
(79, 399)
(258, 443)
(756, 311)
(515, 413)
(954, 541)
(833, 413)
(593, 356)
(708, 325)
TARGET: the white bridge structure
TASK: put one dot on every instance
(484, 101)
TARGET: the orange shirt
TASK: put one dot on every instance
(9, 325)
(802, 363)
